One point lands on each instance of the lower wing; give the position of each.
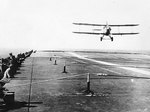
(124, 33)
(89, 33)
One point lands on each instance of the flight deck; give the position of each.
(119, 82)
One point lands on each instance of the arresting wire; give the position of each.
(29, 98)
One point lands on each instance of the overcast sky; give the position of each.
(47, 24)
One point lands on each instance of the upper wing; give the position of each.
(89, 33)
(105, 24)
(124, 33)
(89, 24)
(104, 33)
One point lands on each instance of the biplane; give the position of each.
(106, 30)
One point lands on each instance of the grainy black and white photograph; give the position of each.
(74, 56)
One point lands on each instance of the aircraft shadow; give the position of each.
(16, 105)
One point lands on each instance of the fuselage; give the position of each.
(107, 30)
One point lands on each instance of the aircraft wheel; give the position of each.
(112, 39)
(101, 39)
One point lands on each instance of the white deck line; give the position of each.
(112, 64)
(47, 80)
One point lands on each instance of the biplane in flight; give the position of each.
(106, 30)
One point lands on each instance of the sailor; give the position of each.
(4, 65)
(6, 77)
(13, 62)
(7, 73)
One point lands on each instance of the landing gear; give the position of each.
(111, 38)
(101, 38)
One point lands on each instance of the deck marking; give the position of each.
(46, 80)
